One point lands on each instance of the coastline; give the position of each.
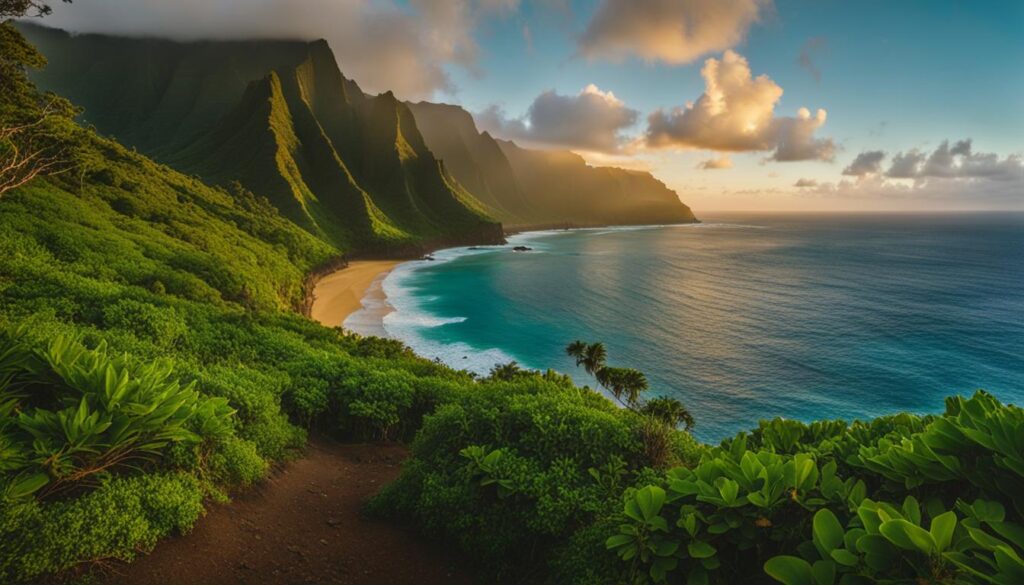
(339, 294)
(351, 295)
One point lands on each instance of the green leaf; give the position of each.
(790, 570)
(844, 557)
(828, 532)
(617, 540)
(699, 549)
(942, 529)
(908, 536)
(824, 572)
(650, 500)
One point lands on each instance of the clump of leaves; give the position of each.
(68, 413)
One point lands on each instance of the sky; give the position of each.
(786, 105)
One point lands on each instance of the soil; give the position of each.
(302, 525)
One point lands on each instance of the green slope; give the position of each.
(474, 158)
(281, 119)
(527, 186)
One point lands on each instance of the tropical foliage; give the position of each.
(152, 357)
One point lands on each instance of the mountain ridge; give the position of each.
(544, 187)
(280, 119)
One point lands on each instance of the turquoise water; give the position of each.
(744, 317)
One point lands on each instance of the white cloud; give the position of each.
(722, 162)
(957, 162)
(670, 31)
(382, 44)
(867, 163)
(952, 176)
(590, 120)
(736, 113)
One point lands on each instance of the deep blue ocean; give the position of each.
(744, 317)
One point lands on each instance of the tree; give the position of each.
(576, 350)
(591, 356)
(625, 384)
(670, 411)
(37, 129)
(20, 8)
(506, 372)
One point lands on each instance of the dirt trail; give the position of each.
(302, 526)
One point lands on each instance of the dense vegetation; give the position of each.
(152, 358)
(281, 119)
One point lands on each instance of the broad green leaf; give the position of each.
(790, 570)
(844, 557)
(699, 549)
(828, 532)
(942, 529)
(824, 572)
(908, 536)
(650, 500)
(617, 540)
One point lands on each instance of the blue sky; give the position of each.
(895, 78)
(928, 70)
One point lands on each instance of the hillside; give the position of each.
(280, 118)
(151, 364)
(534, 187)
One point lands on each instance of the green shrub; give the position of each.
(236, 462)
(68, 413)
(161, 325)
(117, 520)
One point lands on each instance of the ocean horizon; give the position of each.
(742, 317)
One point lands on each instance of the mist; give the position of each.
(379, 43)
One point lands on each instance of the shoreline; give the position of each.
(353, 291)
(339, 294)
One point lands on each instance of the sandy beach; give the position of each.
(339, 294)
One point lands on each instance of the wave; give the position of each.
(411, 321)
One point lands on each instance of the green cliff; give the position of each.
(540, 187)
(281, 119)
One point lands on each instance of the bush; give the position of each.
(122, 517)
(161, 325)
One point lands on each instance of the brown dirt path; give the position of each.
(301, 526)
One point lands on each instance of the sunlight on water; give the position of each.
(744, 317)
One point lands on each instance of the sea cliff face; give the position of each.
(279, 119)
(525, 187)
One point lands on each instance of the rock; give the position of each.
(521, 249)
(428, 258)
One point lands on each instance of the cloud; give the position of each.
(590, 120)
(952, 175)
(812, 49)
(866, 163)
(382, 44)
(956, 162)
(670, 31)
(805, 183)
(736, 113)
(722, 162)
(971, 193)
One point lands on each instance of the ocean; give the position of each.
(743, 317)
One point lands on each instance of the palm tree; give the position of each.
(576, 349)
(594, 357)
(633, 383)
(506, 372)
(625, 384)
(670, 411)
